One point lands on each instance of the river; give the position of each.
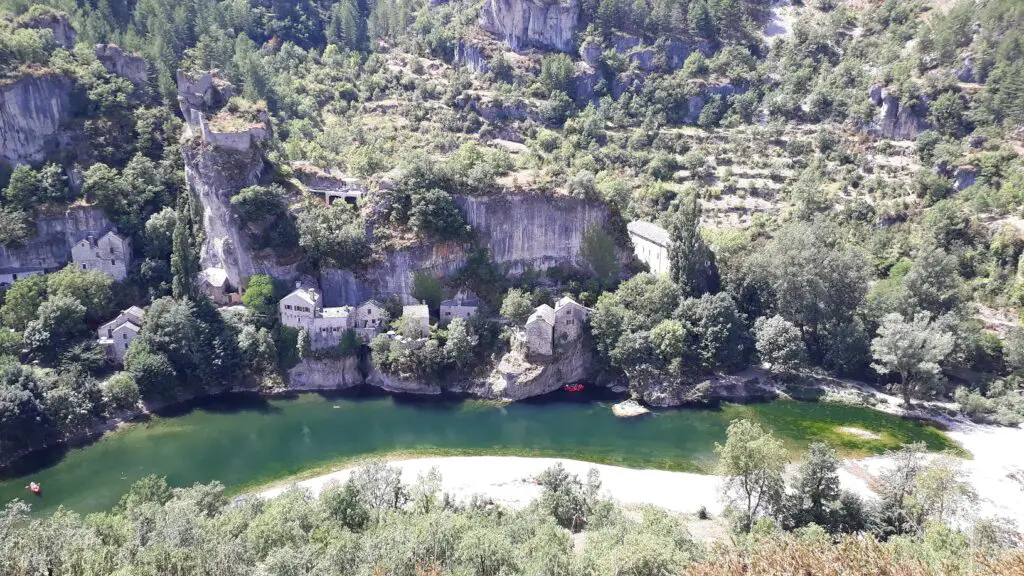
(245, 441)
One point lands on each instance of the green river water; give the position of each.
(247, 441)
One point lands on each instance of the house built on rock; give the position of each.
(549, 328)
(110, 253)
(304, 309)
(650, 244)
(115, 336)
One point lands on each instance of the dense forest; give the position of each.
(844, 200)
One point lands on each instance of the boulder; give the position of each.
(897, 121)
(965, 177)
(117, 61)
(546, 24)
(517, 376)
(966, 72)
(875, 94)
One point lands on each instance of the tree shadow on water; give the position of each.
(227, 403)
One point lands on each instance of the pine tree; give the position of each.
(701, 23)
(184, 256)
(692, 262)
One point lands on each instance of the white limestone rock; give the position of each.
(532, 23)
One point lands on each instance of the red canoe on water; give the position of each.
(35, 488)
(573, 387)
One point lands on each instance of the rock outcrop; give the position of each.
(57, 22)
(32, 112)
(895, 120)
(519, 232)
(119, 62)
(326, 374)
(217, 166)
(547, 24)
(397, 385)
(471, 56)
(50, 248)
(518, 376)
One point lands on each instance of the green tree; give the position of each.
(91, 288)
(22, 300)
(160, 233)
(567, 499)
(816, 489)
(779, 343)
(598, 250)
(516, 306)
(556, 73)
(184, 253)
(23, 189)
(912, 350)
(152, 371)
(752, 463)
(332, 236)
(259, 296)
(692, 263)
(427, 289)
(459, 345)
(345, 505)
(59, 320)
(120, 392)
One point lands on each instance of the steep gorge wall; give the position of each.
(32, 110)
(519, 232)
(55, 234)
(550, 24)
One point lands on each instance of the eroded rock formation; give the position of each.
(897, 120)
(50, 248)
(548, 24)
(518, 376)
(32, 111)
(119, 62)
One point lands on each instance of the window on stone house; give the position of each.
(124, 336)
(287, 306)
(112, 262)
(15, 276)
(83, 266)
(126, 346)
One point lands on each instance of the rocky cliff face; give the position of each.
(55, 234)
(517, 377)
(117, 61)
(895, 120)
(549, 24)
(32, 110)
(519, 232)
(330, 374)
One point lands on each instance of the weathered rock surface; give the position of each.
(532, 23)
(32, 110)
(327, 374)
(471, 56)
(119, 62)
(516, 376)
(399, 385)
(897, 121)
(519, 231)
(739, 388)
(50, 248)
(57, 22)
(965, 177)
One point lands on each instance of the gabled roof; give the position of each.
(307, 294)
(214, 276)
(543, 312)
(372, 302)
(129, 325)
(338, 312)
(462, 299)
(416, 311)
(650, 231)
(135, 311)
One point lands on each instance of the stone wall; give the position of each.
(32, 110)
(50, 248)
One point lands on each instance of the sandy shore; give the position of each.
(996, 471)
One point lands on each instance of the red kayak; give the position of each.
(573, 387)
(35, 488)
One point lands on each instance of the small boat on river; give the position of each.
(573, 387)
(35, 488)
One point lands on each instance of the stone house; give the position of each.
(9, 275)
(303, 309)
(116, 335)
(299, 309)
(213, 282)
(569, 319)
(464, 305)
(110, 253)
(539, 331)
(651, 244)
(369, 319)
(417, 318)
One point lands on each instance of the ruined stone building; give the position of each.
(214, 283)
(110, 253)
(549, 328)
(116, 335)
(464, 305)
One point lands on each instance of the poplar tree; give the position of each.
(184, 256)
(693, 266)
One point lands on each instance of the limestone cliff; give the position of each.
(517, 376)
(50, 248)
(217, 166)
(119, 62)
(549, 24)
(519, 231)
(328, 374)
(32, 111)
(895, 119)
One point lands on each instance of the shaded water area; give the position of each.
(244, 440)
